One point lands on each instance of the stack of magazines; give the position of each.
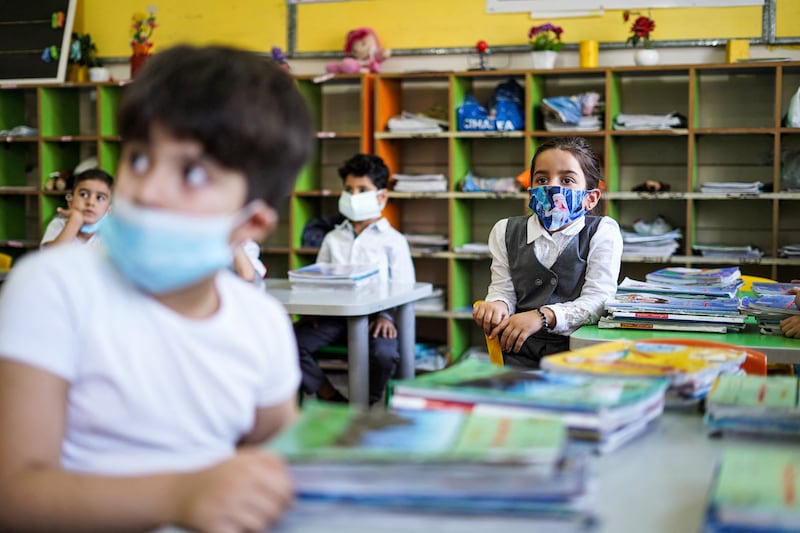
(691, 366)
(601, 411)
(688, 282)
(436, 466)
(755, 490)
(333, 276)
(749, 404)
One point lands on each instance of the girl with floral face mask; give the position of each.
(552, 271)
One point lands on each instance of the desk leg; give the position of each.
(406, 325)
(358, 359)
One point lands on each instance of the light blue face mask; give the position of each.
(557, 206)
(162, 251)
(92, 228)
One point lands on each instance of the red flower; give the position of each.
(640, 30)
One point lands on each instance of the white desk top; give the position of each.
(345, 302)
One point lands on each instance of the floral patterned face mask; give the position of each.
(557, 206)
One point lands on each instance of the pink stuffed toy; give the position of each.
(363, 53)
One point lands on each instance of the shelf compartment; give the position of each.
(735, 98)
(659, 92)
(18, 108)
(69, 111)
(634, 160)
(543, 85)
(19, 165)
(738, 158)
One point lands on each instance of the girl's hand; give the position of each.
(248, 492)
(383, 327)
(488, 315)
(517, 328)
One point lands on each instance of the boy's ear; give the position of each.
(259, 221)
(592, 199)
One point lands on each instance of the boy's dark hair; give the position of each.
(368, 165)
(93, 174)
(583, 152)
(245, 111)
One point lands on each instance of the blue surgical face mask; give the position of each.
(162, 251)
(92, 228)
(557, 206)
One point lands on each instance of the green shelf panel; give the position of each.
(109, 103)
(461, 87)
(57, 156)
(614, 103)
(49, 206)
(536, 92)
(460, 276)
(462, 222)
(60, 112)
(462, 333)
(12, 223)
(613, 172)
(461, 160)
(17, 160)
(310, 176)
(303, 210)
(12, 108)
(109, 156)
(312, 92)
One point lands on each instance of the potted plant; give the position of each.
(142, 27)
(82, 57)
(545, 43)
(641, 29)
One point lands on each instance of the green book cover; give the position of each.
(478, 381)
(327, 432)
(758, 485)
(776, 392)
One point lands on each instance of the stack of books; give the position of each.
(678, 299)
(761, 405)
(755, 489)
(420, 182)
(638, 310)
(603, 412)
(332, 276)
(769, 310)
(381, 464)
(766, 288)
(690, 366)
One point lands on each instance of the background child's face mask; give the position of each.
(557, 206)
(361, 206)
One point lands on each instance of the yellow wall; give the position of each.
(260, 24)
(251, 24)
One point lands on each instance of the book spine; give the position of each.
(680, 317)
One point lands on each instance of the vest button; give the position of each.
(552, 281)
(538, 282)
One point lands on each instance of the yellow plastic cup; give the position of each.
(588, 52)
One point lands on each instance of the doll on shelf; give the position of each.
(363, 53)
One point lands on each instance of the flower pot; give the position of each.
(645, 57)
(77, 73)
(99, 74)
(137, 62)
(544, 59)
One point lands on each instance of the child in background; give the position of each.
(551, 275)
(87, 205)
(158, 369)
(365, 237)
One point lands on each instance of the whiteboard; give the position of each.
(536, 7)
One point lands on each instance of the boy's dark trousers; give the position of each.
(384, 354)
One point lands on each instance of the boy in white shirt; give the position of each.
(365, 237)
(87, 205)
(157, 367)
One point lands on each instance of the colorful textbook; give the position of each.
(606, 411)
(373, 464)
(762, 405)
(690, 365)
(755, 489)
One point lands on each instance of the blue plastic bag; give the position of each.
(472, 116)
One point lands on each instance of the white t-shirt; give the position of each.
(150, 390)
(56, 226)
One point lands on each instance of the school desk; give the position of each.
(357, 305)
(778, 349)
(656, 483)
